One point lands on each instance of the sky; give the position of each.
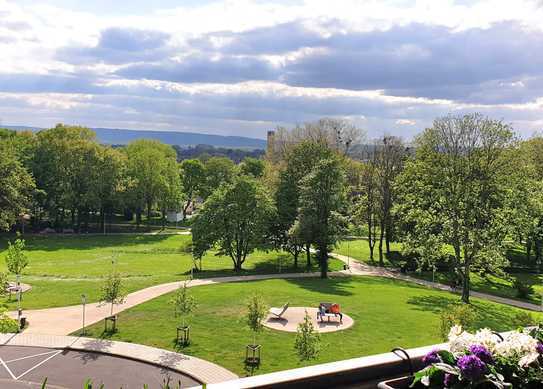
(243, 67)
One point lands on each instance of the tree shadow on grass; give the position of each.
(83, 242)
(487, 315)
(434, 304)
(335, 285)
(282, 264)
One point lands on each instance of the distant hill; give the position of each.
(183, 139)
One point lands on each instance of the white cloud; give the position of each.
(31, 36)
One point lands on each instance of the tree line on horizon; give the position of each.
(461, 191)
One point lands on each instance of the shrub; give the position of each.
(524, 319)
(523, 290)
(307, 343)
(7, 324)
(257, 310)
(462, 315)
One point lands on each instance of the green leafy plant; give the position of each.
(184, 303)
(112, 290)
(523, 290)
(257, 310)
(16, 259)
(524, 319)
(7, 324)
(461, 314)
(308, 342)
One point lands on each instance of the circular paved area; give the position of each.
(26, 367)
(295, 315)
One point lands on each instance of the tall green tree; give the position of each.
(455, 192)
(154, 175)
(526, 194)
(218, 170)
(192, 180)
(322, 201)
(16, 187)
(253, 167)
(235, 219)
(300, 160)
(65, 165)
(390, 154)
(110, 183)
(367, 205)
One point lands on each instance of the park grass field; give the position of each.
(61, 268)
(498, 285)
(387, 313)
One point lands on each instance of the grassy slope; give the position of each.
(388, 313)
(499, 286)
(63, 267)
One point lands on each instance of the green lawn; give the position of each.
(492, 284)
(61, 268)
(359, 249)
(387, 313)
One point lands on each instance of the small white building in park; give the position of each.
(174, 216)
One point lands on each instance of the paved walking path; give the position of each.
(66, 320)
(358, 268)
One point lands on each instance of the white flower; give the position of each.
(455, 331)
(517, 345)
(461, 343)
(528, 359)
(486, 338)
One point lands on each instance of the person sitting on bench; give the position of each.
(329, 309)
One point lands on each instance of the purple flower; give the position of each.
(482, 353)
(431, 358)
(449, 380)
(471, 366)
(539, 348)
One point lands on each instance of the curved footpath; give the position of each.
(66, 320)
(47, 327)
(358, 268)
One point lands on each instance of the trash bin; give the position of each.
(23, 322)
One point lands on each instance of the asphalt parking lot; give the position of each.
(26, 367)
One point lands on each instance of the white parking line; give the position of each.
(7, 368)
(39, 364)
(30, 356)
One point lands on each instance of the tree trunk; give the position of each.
(528, 249)
(237, 263)
(185, 209)
(388, 236)
(138, 217)
(308, 254)
(466, 283)
(149, 213)
(296, 252)
(381, 236)
(323, 259)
